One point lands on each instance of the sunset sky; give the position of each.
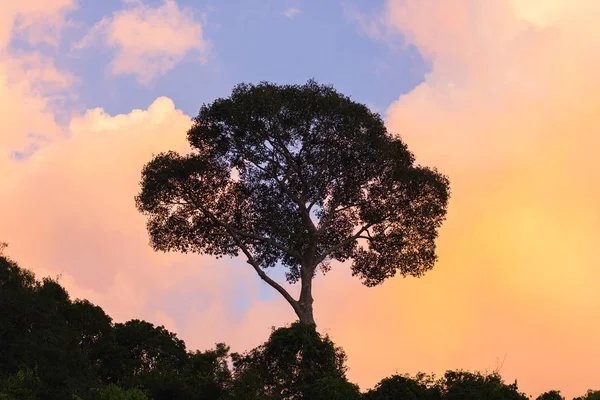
(503, 96)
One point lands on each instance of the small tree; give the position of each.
(590, 395)
(551, 395)
(420, 387)
(464, 385)
(295, 363)
(296, 176)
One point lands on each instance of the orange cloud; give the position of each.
(68, 210)
(509, 112)
(149, 41)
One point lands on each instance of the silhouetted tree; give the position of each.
(139, 348)
(421, 387)
(207, 374)
(551, 395)
(463, 385)
(54, 348)
(94, 331)
(24, 385)
(296, 362)
(296, 176)
(36, 335)
(114, 392)
(590, 395)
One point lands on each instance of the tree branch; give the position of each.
(305, 214)
(343, 243)
(250, 258)
(230, 229)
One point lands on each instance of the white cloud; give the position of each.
(291, 12)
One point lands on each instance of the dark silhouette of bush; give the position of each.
(296, 362)
(590, 395)
(464, 385)
(420, 387)
(551, 395)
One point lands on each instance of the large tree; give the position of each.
(296, 176)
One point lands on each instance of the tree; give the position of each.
(296, 362)
(590, 395)
(94, 330)
(207, 373)
(138, 349)
(463, 385)
(421, 387)
(24, 385)
(114, 392)
(39, 334)
(296, 176)
(551, 395)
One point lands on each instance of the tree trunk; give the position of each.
(305, 303)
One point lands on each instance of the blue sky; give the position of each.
(250, 41)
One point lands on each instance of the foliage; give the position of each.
(140, 348)
(590, 395)
(463, 385)
(54, 348)
(454, 385)
(24, 385)
(208, 372)
(114, 392)
(296, 361)
(35, 333)
(421, 387)
(296, 176)
(551, 395)
(73, 347)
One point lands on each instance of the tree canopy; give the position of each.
(55, 348)
(297, 176)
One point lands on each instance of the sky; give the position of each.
(501, 96)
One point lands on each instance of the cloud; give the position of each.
(30, 83)
(369, 24)
(38, 21)
(68, 210)
(507, 111)
(88, 180)
(149, 41)
(291, 12)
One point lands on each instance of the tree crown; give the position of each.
(297, 175)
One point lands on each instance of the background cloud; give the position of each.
(29, 80)
(291, 12)
(38, 21)
(507, 111)
(149, 41)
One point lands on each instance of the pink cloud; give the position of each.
(149, 41)
(26, 79)
(38, 21)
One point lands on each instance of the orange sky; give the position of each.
(510, 111)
